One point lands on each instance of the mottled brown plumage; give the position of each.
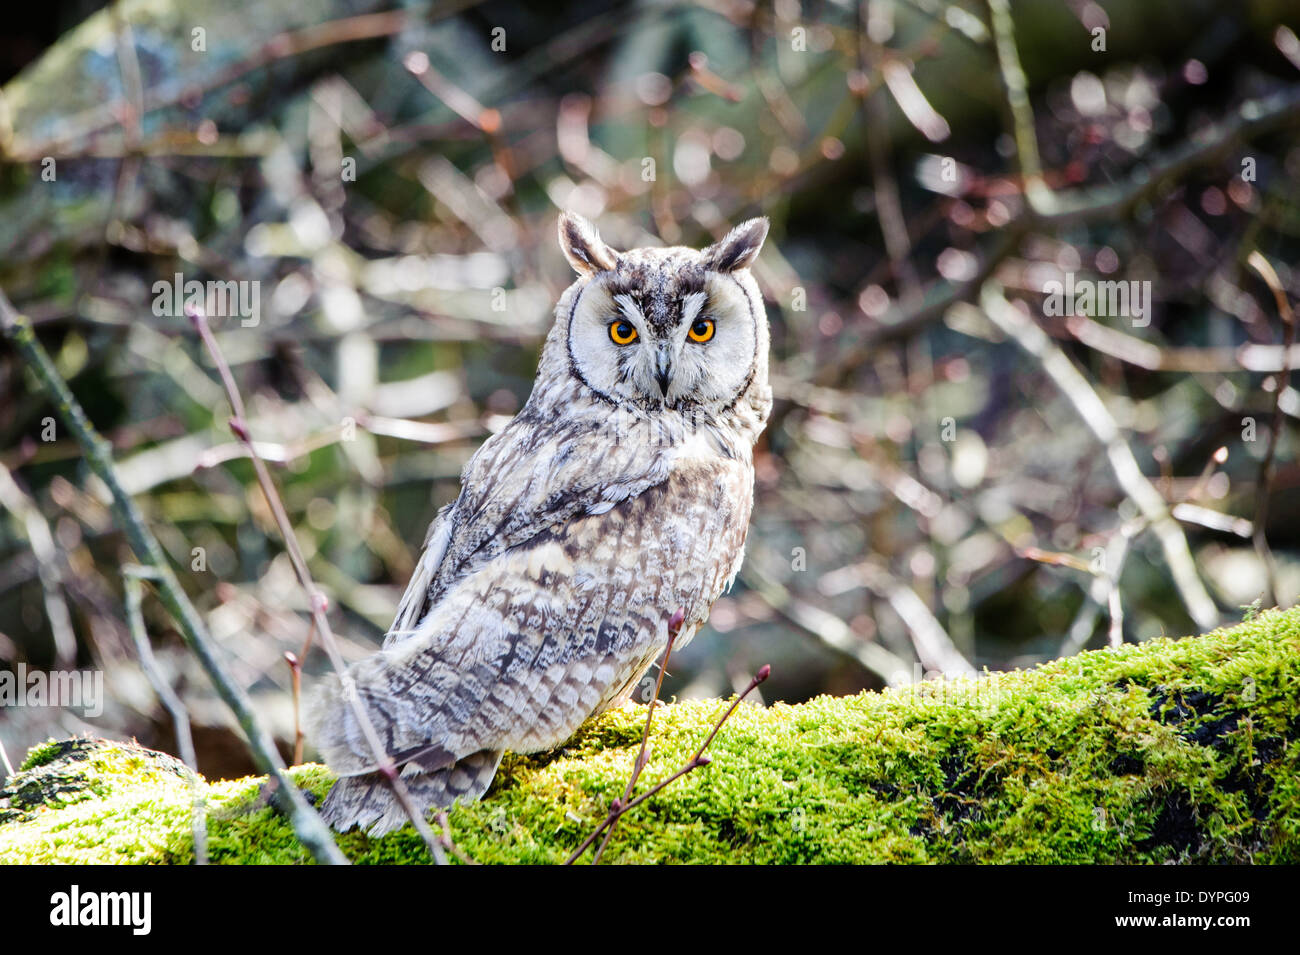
(620, 493)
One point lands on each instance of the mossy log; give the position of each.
(1167, 751)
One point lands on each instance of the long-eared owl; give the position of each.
(618, 495)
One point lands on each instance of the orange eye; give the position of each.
(702, 330)
(622, 333)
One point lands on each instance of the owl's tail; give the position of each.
(434, 776)
(369, 802)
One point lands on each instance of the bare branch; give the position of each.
(674, 627)
(449, 843)
(132, 575)
(311, 830)
(1022, 113)
(317, 600)
(1058, 367)
(49, 567)
(934, 648)
(1107, 203)
(1265, 483)
(824, 626)
(697, 760)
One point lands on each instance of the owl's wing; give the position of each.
(529, 477)
(414, 602)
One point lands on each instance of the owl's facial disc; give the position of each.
(680, 341)
(665, 328)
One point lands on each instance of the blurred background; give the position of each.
(942, 487)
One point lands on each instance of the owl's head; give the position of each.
(670, 328)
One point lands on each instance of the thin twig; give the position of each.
(1104, 588)
(82, 127)
(696, 761)
(317, 600)
(49, 567)
(934, 647)
(295, 682)
(824, 626)
(1265, 483)
(307, 824)
(674, 627)
(132, 117)
(1022, 112)
(449, 843)
(1214, 520)
(1216, 461)
(889, 204)
(132, 575)
(1115, 634)
(1158, 357)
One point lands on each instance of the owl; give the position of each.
(620, 494)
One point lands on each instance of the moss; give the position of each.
(1167, 751)
(40, 754)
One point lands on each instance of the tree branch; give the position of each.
(311, 830)
(132, 575)
(1083, 206)
(1057, 365)
(316, 600)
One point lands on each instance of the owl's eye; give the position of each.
(702, 330)
(622, 333)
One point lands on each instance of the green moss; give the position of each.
(40, 754)
(1167, 751)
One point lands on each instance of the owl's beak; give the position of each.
(664, 367)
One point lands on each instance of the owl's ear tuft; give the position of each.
(583, 247)
(739, 247)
